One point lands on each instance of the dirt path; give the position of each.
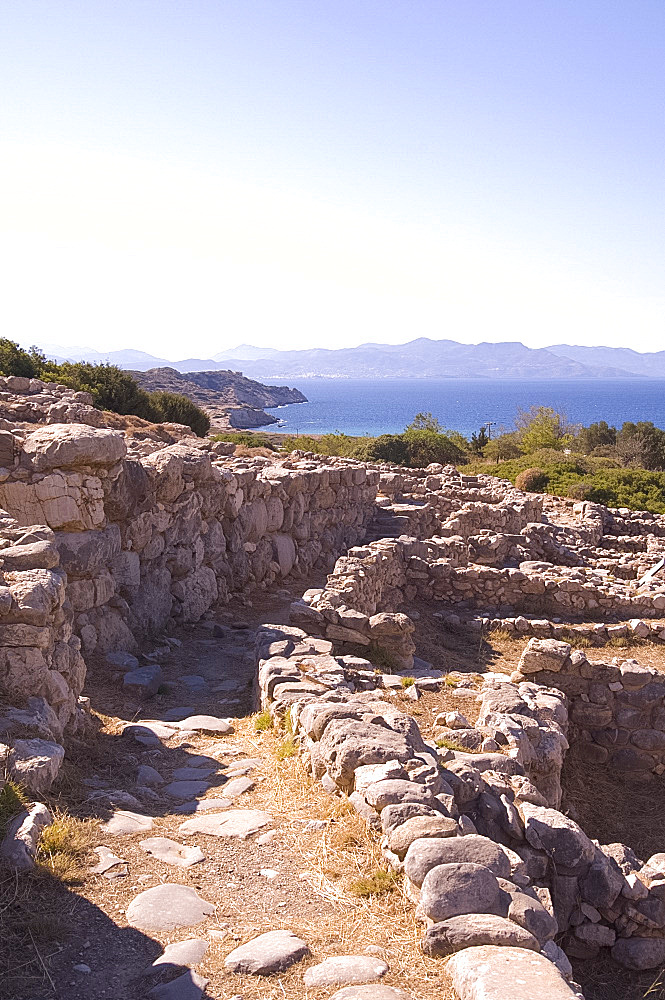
(298, 872)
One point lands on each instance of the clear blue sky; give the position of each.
(182, 177)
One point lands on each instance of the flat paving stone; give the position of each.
(237, 786)
(186, 789)
(123, 822)
(147, 775)
(340, 970)
(206, 724)
(193, 682)
(107, 859)
(494, 973)
(171, 852)
(189, 952)
(244, 766)
(192, 773)
(178, 714)
(372, 991)
(189, 986)
(202, 806)
(167, 906)
(267, 953)
(240, 823)
(149, 730)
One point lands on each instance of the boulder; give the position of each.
(35, 763)
(471, 929)
(452, 889)
(488, 972)
(562, 839)
(426, 853)
(266, 954)
(67, 445)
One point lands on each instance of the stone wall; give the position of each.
(617, 710)
(133, 544)
(473, 833)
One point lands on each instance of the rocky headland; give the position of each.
(229, 399)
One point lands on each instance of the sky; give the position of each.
(183, 177)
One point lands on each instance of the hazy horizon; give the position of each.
(293, 175)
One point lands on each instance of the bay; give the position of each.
(386, 406)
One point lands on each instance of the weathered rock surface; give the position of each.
(166, 907)
(342, 969)
(266, 954)
(486, 972)
(474, 929)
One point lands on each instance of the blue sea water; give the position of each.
(386, 406)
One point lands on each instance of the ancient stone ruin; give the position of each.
(110, 542)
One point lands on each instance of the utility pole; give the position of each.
(489, 424)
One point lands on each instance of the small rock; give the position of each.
(144, 681)
(340, 970)
(203, 806)
(268, 953)
(82, 967)
(123, 822)
(186, 789)
(147, 775)
(107, 859)
(452, 889)
(237, 786)
(121, 661)
(471, 929)
(209, 724)
(172, 853)
(269, 873)
(189, 952)
(189, 986)
(372, 991)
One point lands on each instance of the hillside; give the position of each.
(230, 399)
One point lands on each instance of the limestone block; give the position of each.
(66, 445)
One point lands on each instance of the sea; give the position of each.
(387, 406)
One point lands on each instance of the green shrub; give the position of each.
(531, 480)
(173, 407)
(246, 438)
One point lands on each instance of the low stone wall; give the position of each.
(483, 821)
(617, 710)
(133, 545)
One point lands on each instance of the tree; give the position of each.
(542, 427)
(425, 422)
(641, 444)
(502, 448)
(479, 440)
(15, 361)
(597, 435)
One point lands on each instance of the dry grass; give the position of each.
(263, 721)
(613, 808)
(374, 883)
(64, 846)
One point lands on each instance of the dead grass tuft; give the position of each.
(376, 882)
(262, 722)
(64, 845)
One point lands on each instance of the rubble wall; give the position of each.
(617, 710)
(133, 544)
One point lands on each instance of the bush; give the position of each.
(15, 361)
(111, 388)
(531, 480)
(248, 439)
(172, 407)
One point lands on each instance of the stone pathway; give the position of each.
(192, 870)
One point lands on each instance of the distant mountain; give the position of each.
(424, 358)
(421, 358)
(651, 365)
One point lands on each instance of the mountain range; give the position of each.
(421, 358)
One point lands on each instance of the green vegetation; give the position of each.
(424, 441)
(376, 882)
(111, 388)
(248, 439)
(263, 721)
(12, 800)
